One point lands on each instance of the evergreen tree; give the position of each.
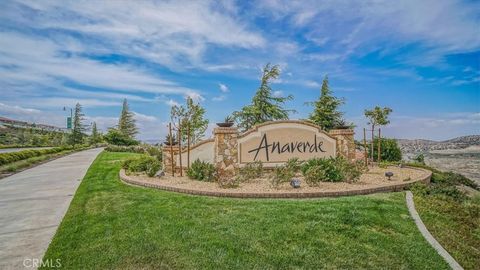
(167, 139)
(326, 114)
(264, 106)
(78, 131)
(126, 123)
(95, 137)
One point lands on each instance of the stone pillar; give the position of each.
(345, 142)
(167, 158)
(226, 151)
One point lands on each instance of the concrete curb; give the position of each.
(427, 235)
(313, 194)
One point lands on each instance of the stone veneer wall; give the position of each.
(226, 151)
(345, 142)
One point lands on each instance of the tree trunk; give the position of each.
(371, 144)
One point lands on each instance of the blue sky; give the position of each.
(421, 58)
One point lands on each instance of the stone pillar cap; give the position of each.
(225, 130)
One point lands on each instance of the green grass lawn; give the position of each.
(112, 225)
(456, 225)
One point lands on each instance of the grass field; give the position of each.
(112, 225)
(456, 225)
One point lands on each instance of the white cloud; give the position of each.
(219, 98)
(223, 87)
(312, 84)
(278, 93)
(17, 110)
(439, 127)
(172, 103)
(194, 96)
(163, 32)
(441, 27)
(144, 117)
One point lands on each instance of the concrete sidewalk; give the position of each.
(32, 205)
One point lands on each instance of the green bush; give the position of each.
(142, 164)
(314, 175)
(285, 173)
(114, 136)
(251, 171)
(331, 170)
(201, 171)
(389, 150)
(6, 158)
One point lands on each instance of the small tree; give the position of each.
(96, 137)
(326, 114)
(389, 150)
(264, 106)
(191, 117)
(126, 123)
(377, 117)
(78, 131)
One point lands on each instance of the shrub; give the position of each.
(285, 173)
(228, 182)
(6, 158)
(331, 169)
(314, 175)
(351, 171)
(331, 172)
(389, 150)
(201, 171)
(144, 163)
(114, 136)
(251, 171)
(420, 158)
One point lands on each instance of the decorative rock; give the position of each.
(160, 173)
(295, 183)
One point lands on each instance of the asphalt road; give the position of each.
(8, 150)
(32, 205)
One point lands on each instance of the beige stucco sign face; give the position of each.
(276, 143)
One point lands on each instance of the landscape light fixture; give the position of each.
(295, 183)
(389, 175)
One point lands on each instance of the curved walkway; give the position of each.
(428, 236)
(32, 205)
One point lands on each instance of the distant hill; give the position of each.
(423, 146)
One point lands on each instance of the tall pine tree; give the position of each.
(126, 123)
(265, 105)
(326, 113)
(78, 131)
(96, 136)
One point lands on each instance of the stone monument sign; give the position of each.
(277, 142)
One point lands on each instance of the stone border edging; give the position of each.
(427, 235)
(399, 187)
